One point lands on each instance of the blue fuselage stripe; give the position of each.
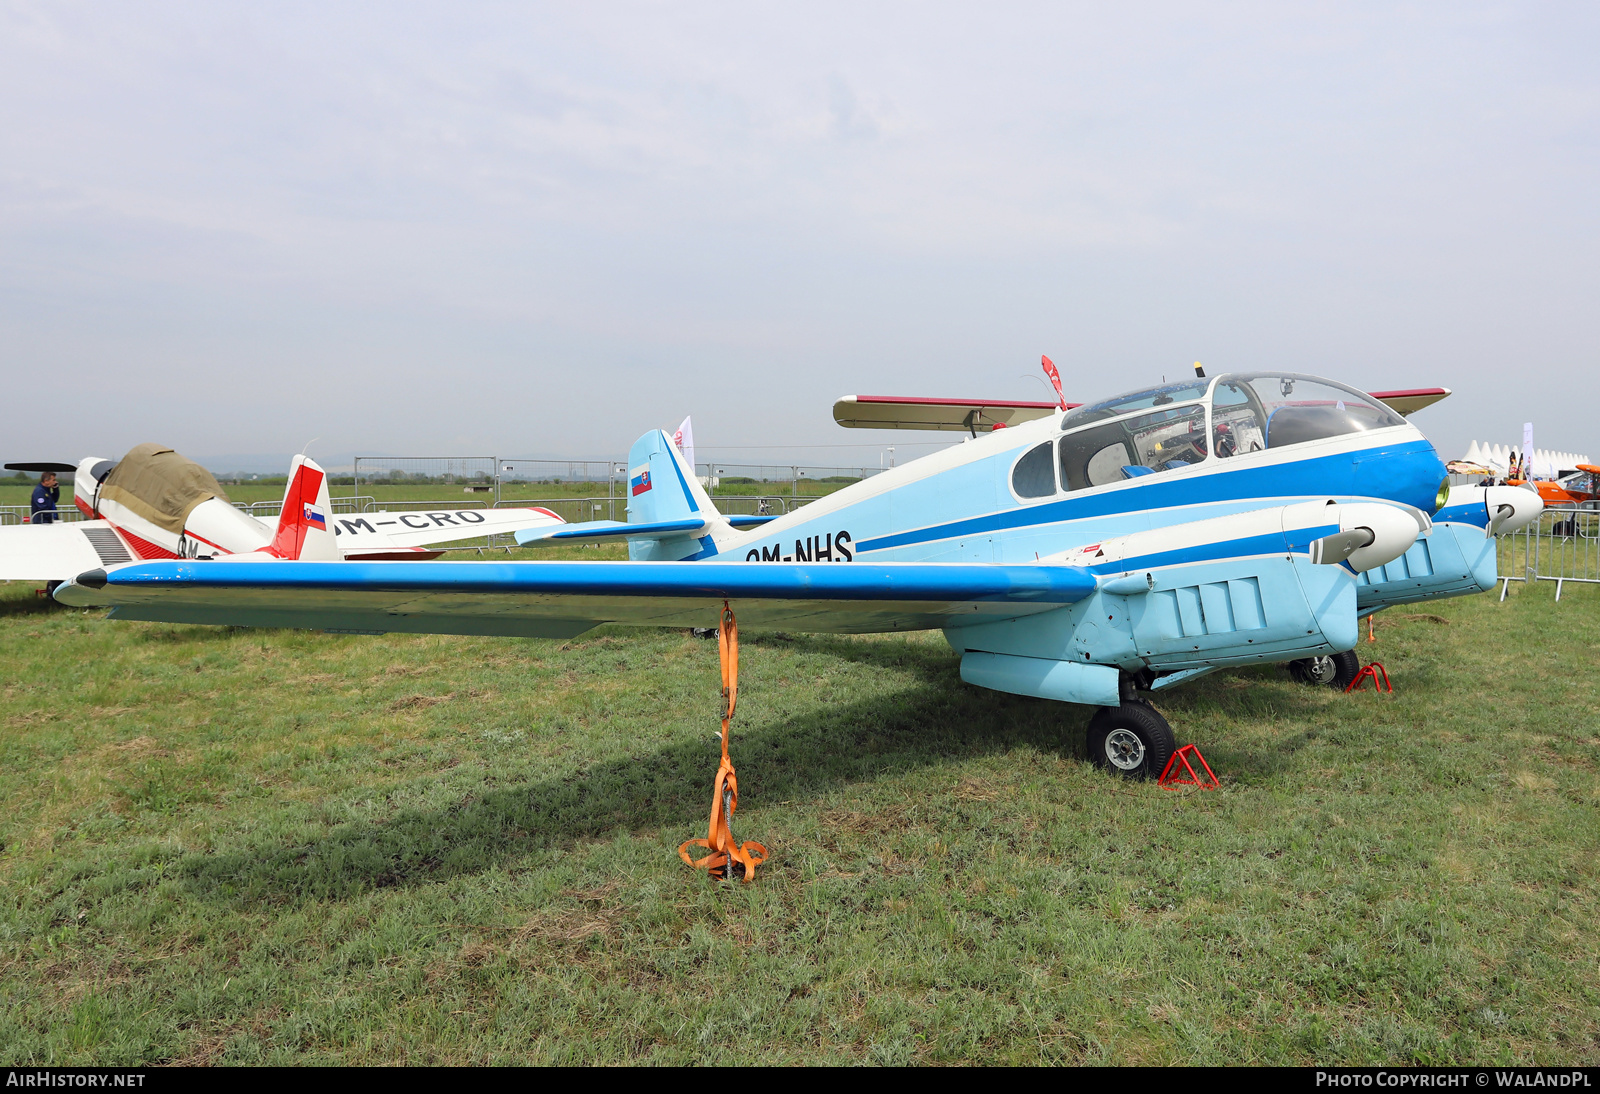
(1271, 543)
(1336, 475)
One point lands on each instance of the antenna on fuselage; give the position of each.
(1199, 372)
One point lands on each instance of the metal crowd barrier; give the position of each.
(359, 504)
(1562, 545)
(22, 514)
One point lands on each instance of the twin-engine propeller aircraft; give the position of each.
(157, 504)
(1092, 555)
(1455, 558)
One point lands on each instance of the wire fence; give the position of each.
(471, 474)
(1562, 545)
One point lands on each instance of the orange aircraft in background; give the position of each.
(1575, 489)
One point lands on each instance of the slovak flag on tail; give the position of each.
(302, 522)
(639, 479)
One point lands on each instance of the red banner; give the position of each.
(1055, 378)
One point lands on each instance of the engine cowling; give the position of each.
(1511, 508)
(1388, 531)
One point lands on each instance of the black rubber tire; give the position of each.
(1349, 666)
(1108, 740)
(1331, 670)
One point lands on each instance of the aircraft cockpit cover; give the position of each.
(160, 486)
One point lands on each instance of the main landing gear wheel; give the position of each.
(1335, 670)
(1131, 740)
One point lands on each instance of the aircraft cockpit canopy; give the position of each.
(1166, 395)
(1164, 428)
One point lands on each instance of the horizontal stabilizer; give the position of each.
(602, 531)
(560, 599)
(40, 468)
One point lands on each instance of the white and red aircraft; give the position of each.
(157, 504)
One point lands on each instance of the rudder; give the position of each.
(662, 486)
(303, 532)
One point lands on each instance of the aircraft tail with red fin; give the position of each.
(304, 524)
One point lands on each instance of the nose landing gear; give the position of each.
(1331, 670)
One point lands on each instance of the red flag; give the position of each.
(1055, 378)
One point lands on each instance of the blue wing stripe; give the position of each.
(889, 581)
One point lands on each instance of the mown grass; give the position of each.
(228, 846)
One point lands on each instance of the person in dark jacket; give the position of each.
(45, 496)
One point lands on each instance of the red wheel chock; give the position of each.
(1372, 672)
(1170, 778)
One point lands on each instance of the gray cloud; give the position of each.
(545, 229)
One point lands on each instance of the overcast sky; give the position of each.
(526, 229)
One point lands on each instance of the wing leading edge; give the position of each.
(562, 599)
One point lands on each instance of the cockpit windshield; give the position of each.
(1253, 412)
(1167, 428)
(1134, 400)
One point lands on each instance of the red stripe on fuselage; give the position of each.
(207, 542)
(143, 547)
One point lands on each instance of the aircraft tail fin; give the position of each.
(662, 487)
(304, 530)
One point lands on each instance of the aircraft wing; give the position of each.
(1410, 400)
(562, 599)
(58, 552)
(956, 415)
(982, 416)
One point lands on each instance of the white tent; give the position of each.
(1547, 463)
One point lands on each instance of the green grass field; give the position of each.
(228, 846)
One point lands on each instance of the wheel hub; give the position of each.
(1322, 669)
(1124, 749)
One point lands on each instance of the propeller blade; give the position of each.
(42, 467)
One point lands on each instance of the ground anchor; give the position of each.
(728, 856)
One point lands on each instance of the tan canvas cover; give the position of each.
(160, 485)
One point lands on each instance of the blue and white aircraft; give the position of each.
(1090, 556)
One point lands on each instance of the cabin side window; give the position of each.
(1237, 422)
(1034, 475)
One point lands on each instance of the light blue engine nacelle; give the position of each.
(1273, 585)
(1461, 554)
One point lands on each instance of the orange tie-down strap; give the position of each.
(727, 855)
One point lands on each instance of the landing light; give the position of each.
(1443, 495)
